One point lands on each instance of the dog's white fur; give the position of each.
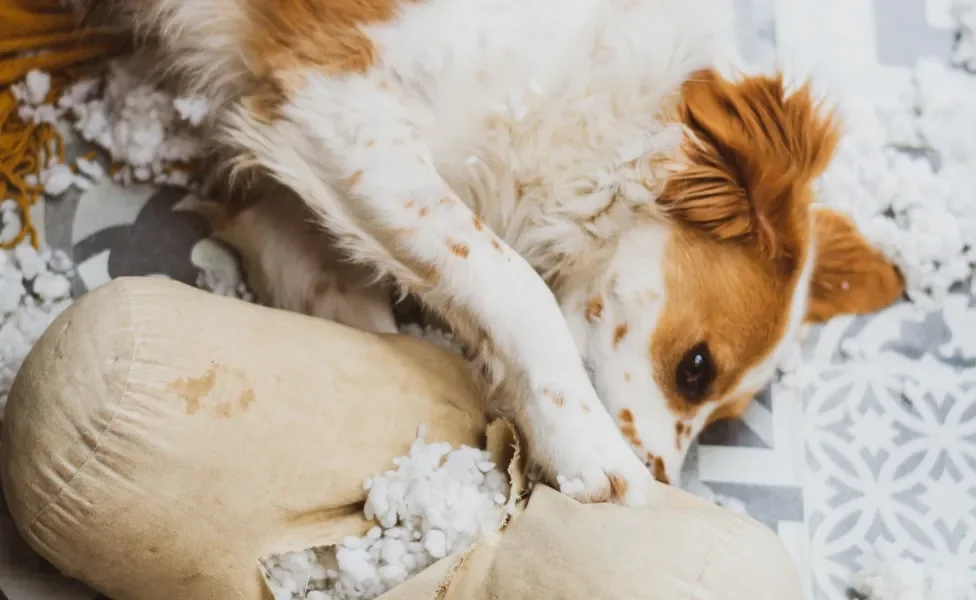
(548, 119)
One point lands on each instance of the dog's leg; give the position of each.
(354, 153)
(291, 263)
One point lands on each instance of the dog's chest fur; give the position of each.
(548, 117)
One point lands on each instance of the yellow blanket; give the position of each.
(37, 34)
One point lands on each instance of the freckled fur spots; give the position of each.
(354, 179)
(557, 397)
(619, 333)
(458, 248)
(656, 463)
(618, 486)
(478, 224)
(496, 245)
(594, 308)
(627, 428)
(429, 273)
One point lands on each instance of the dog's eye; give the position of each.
(695, 373)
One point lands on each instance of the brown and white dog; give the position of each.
(625, 237)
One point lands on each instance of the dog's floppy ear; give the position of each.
(751, 152)
(849, 275)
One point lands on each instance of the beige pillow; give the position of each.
(160, 439)
(680, 549)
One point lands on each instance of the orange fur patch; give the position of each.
(750, 155)
(287, 35)
(322, 33)
(850, 276)
(739, 305)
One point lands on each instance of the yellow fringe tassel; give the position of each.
(37, 34)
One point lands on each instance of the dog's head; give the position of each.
(696, 309)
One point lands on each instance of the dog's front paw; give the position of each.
(593, 468)
(625, 483)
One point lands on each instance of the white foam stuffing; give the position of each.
(435, 502)
(150, 134)
(887, 575)
(906, 173)
(218, 271)
(34, 290)
(141, 127)
(964, 52)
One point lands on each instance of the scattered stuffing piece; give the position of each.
(10, 221)
(218, 271)
(906, 173)
(57, 179)
(733, 504)
(570, 486)
(34, 89)
(436, 336)
(149, 134)
(964, 52)
(437, 501)
(34, 289)
(889, 576)
(193, 110)
(90, 168)
(213, 281)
